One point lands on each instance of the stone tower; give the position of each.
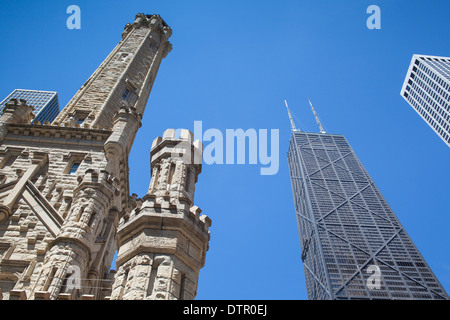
(164, 239)
(64, 185)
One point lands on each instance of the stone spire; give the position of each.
(125, 77)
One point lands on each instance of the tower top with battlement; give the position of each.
(165, 233)
(125, 77)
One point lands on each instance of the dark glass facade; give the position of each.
(352, 244)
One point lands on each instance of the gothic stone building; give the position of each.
(65, 206)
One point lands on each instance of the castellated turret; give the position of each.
(163, 240)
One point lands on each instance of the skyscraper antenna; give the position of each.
(317, 118)
(293, 128)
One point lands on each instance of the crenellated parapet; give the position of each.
(153, 21)
(175, 166)
(92, 200)
(15, 112)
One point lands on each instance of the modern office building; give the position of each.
(45, 103)
(352, 244)
(427, 89)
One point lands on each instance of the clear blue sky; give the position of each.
(232, 65)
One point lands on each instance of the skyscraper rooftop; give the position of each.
(352, 244)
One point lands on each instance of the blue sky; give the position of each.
(232, 65)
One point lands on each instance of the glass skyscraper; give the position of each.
(352, 244)
(427, 89)
(45, 103)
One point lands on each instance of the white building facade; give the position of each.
(427, 89)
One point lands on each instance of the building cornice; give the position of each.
(57, 134)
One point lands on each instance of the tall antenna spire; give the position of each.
(317, 118)
(293, 128)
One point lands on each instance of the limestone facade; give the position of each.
(164, 236)
(65, 206)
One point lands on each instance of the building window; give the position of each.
(126, 94)
(92, 219)
(80, 116)
(74, 167)
(8, 161)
